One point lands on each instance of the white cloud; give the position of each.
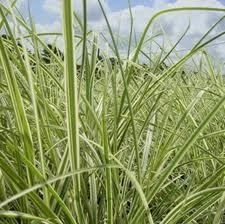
(93, 9)
(52, 6)
(174, 23)
(200, 22)
(56, 26)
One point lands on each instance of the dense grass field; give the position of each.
(99, 143)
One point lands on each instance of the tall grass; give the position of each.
(103, 144)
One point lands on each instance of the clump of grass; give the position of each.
(130, 145)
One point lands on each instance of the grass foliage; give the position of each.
(108, 144)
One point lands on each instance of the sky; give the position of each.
(47, 17)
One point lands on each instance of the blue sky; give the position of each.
(115, 5)
(118, 5)
(46, 14)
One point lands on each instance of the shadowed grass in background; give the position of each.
(102, 143)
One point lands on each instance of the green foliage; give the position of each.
(132, 144)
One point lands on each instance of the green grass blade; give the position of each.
(72, 105)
